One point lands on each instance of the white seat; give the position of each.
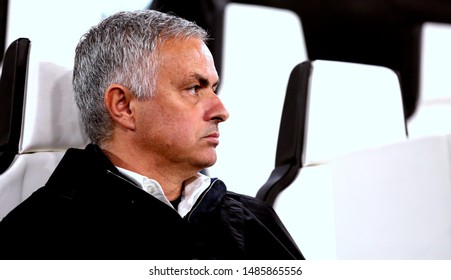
(433, 114)
(351, 108)
(338, 107)
(50, 124)
(261, 46)
(391, 202)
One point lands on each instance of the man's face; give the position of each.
(179, 126)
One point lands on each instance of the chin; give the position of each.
(208, 162)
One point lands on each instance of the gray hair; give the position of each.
(122, 49)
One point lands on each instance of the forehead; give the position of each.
(187, 55)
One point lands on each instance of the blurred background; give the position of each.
(372, 162)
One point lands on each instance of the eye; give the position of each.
(193, 89)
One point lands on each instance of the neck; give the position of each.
(171, 180)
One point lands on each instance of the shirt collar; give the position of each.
(194, 187)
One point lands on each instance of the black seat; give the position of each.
(3, 23)
(12, 90)
(289, 155)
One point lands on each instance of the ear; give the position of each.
(117, 101)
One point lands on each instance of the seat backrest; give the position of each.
(335, 204)
(45, 123)
(258, 57)
(351, 107)
(333, 108)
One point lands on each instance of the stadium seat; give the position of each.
(42, 124)
(343, 109)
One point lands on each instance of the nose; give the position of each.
(217, 111)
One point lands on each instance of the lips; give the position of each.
(214, 134)
(213, 137)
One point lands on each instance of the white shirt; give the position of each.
(194, 187)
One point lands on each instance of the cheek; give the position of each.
(181, 129)
(167, 129)
(168, 123)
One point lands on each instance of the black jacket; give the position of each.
(88, 210)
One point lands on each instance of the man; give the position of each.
(144, 83)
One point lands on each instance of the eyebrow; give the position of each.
(204, 81)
